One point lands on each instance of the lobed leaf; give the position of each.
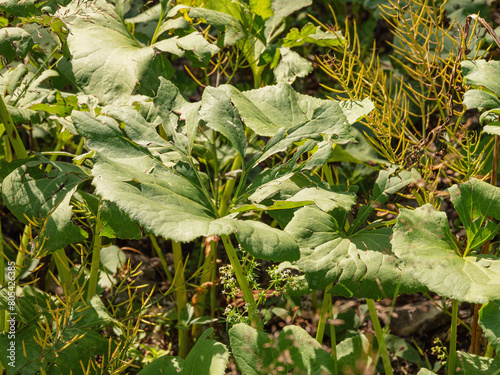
(423, 240)
(361, 265)
(488, 320)
(100, 44)
(255, 353)
(482, 73)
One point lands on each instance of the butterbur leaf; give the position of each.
(264, 242)
(168, 100)
(482, 73)
(231, 26)
(44, 198)
(166, 198)
(256, 353)
(480, 99)
(488, 320)
(328, 119)
(164, 365)
(314, 35)
(282, 9)
(291, 66)
(423, 240)
(424, 371)
(351, 352)
(470, 364)
(99, 42)
(262, 8)
(207, 357)
(387, 184)
(475, 201)
(116, 224)
(14, 42)
(281, 190)
(219, 114)
(355, 110)
(361, 265)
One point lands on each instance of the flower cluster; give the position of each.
(281, 280)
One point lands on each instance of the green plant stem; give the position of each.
(64, 270)
(10, 128)
(22, 250)
(328, 173)
(207, 277)
(452, 354)
(489, 351)
(242, 282)
(228, 189)
(163, 261)
(79, 148)
(160, 21)
(325, 312)
(333, 336)
(213, 288)
(382, 348)
(96, 259)
(180, 298)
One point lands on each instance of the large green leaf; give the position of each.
(14, 42)
(282, 9)
(470, 364)
(219, 114)
(327, 119)
(291, 66)
(480, 99)
(207, 357)
(352, 353)
(133, 169)
(360, 265)
(388, 182)
(256, 353)
(162, 200)
(482, 73)
(289, 189)
(489, 322)
(265, 242)
(30, 192)
(108, 62)
(168, 100)
(314, 35)
(225, 20)
(475, 201)
(423, 240)
(165, 365)
(270, 108)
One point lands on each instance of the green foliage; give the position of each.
(255, 353)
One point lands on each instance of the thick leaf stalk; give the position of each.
(96, 259)
(180, 298)
(325, 312)
(64, 270)
(452, 355)
(10, 128)
(380, 337)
